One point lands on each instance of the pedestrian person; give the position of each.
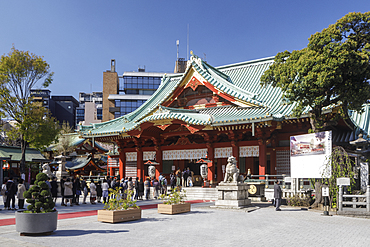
(92, 192)
(130, 185)
(141, 189)
(105, 188)
(11, 190)
(164, 185)
(84, 189)
(172, 180)
(54, 188)
(68, 193)
(189, 180)
(21, 190)
(77, 186)
(136, 188)
(277, 195)
(184, 177)
(147, 188)
(62, 181)
(123, 186)
(178, 181)
(156, 189)
(3, 191)
(99, 191)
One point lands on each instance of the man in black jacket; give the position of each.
(277, 195)
(11, 189)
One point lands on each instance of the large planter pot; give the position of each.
(174, 208)
(32, 223)
(116, 216)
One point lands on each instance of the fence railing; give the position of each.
(355, 200)
(269, 181)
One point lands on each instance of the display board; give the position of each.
(309, 154)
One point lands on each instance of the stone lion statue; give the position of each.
(151, 171)
(232, 172)
(46, 169)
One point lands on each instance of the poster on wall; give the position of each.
(309, 154)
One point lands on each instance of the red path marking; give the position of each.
(11, 221)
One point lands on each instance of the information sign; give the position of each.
(325, 191)
(343, 181)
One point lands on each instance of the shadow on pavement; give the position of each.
(69, 233)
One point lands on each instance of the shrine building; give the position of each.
(211, 113)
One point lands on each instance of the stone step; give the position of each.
(198, 193)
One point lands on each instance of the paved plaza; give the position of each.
(260, 225)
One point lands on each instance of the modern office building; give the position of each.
(90, 109)
(124, 94)
(63, 108)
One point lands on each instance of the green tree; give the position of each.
(19, 73)
(64, 142)
(339, 165)
(333, 70)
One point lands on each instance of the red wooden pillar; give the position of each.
(158, 153)
(140, 163)
(262, 157)
(211, 165)
(122, 159)
(235, 149)
(273, 162)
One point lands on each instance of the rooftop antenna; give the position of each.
(177, 43)
(187, 50)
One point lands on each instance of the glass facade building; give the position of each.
(133, 90)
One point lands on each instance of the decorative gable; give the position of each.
(195, 92)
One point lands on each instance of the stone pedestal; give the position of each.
(232, 195)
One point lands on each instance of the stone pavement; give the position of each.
(204, 226)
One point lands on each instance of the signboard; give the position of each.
(325, 191)
(173, 168)
(309, 155)
(287, 179)
(343, 181)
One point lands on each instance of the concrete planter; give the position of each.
(28, 223)
(174, 208)
(111, 216)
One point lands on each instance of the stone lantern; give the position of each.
(151, 168)
(362, 150)
(204, 170)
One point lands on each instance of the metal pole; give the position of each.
(368, 199)
(1, 173)
(340, 198)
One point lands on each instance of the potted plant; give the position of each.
(40, 217)
(119, 209)
(173, 203)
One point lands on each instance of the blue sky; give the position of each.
(79, 38)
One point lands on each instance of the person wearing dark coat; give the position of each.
(277, 195)
(136, 186)
(141, 189)
(62, 181)
(99, 191)
(54, 188)
(11, 190)
(77, 191)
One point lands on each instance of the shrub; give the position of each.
(39, 196)
(117, 202)
(300, 202)
(174, 198)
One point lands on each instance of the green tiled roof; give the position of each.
(16, 153)
(75, 140)
(241, 80)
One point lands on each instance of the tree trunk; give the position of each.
(22, 168)
(318, 195)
